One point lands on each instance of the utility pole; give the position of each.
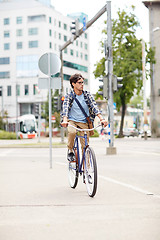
(111, 149)
(145, 123)
(16, 111)
(62, 92)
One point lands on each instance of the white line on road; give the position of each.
(148, 153)
(121, 183)
(125, 185)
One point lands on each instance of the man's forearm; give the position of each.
(65, 119)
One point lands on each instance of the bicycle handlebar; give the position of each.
(84, 130)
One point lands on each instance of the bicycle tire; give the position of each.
(73, 171)
(90, 172)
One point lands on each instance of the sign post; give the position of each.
(49, 64)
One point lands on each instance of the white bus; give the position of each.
(27, 127)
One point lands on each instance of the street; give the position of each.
(36, 202)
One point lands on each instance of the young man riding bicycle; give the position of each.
(78, 104)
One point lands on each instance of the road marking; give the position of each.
(122, 184)
(148, 153)
(126, 185)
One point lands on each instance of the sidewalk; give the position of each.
(44, 142)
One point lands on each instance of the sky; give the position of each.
(91, 7)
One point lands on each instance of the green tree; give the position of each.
(136, 101)
(127, 59)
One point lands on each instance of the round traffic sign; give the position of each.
(49, 64)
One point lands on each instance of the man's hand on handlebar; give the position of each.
(104, 123)
(64, 124)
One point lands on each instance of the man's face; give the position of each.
(78, 85)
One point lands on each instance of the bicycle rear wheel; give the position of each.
(90, 172)
(73, 171)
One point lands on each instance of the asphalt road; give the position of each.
(36, 202)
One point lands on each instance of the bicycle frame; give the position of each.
(76, 146)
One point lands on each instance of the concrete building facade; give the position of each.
(28, 29)
(154, 30)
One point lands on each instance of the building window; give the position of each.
(50, 32)
(19, 45)
(59, 24)
(81, 55)
(85, 35)
(9, 91)
(33, 31)
(81, 44)
(37, 18)
(59, 36)
(19, 32)
(6, 34)
(6, 46)
(19, 20)
(27, 66)
(65, 38)
(65, 26)
(50, 45)
(71, 52)
(65, 50)
(76, 53)
(6, 21)
(86, 46)
(26, 89)
(4, 75)
(76, 42)
(35, 89)
(5, 60)
(86, 57)
(50, 20)
(18, 90)
(33, 44)
(75, 66)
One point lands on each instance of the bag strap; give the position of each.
(82, 109)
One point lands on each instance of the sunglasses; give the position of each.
(80, 83)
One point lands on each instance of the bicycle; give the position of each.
(86, 165)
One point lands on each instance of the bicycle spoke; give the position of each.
(73, 174)
(90, 172)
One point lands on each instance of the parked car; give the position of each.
(148, 133)
(130, 132)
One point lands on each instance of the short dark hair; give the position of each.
(74, 78)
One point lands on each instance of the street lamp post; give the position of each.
(153, 87)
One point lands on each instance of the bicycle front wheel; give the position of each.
(90, 172)
(73, 171)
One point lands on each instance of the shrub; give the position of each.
(7, 135)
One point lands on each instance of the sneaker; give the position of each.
(71, 157)
(90, 179)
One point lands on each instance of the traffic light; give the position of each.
(36, 109)
(57, 103)
(104, 88)
(1, 91)
(116, 83)
(62, 100)
(75, 27)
